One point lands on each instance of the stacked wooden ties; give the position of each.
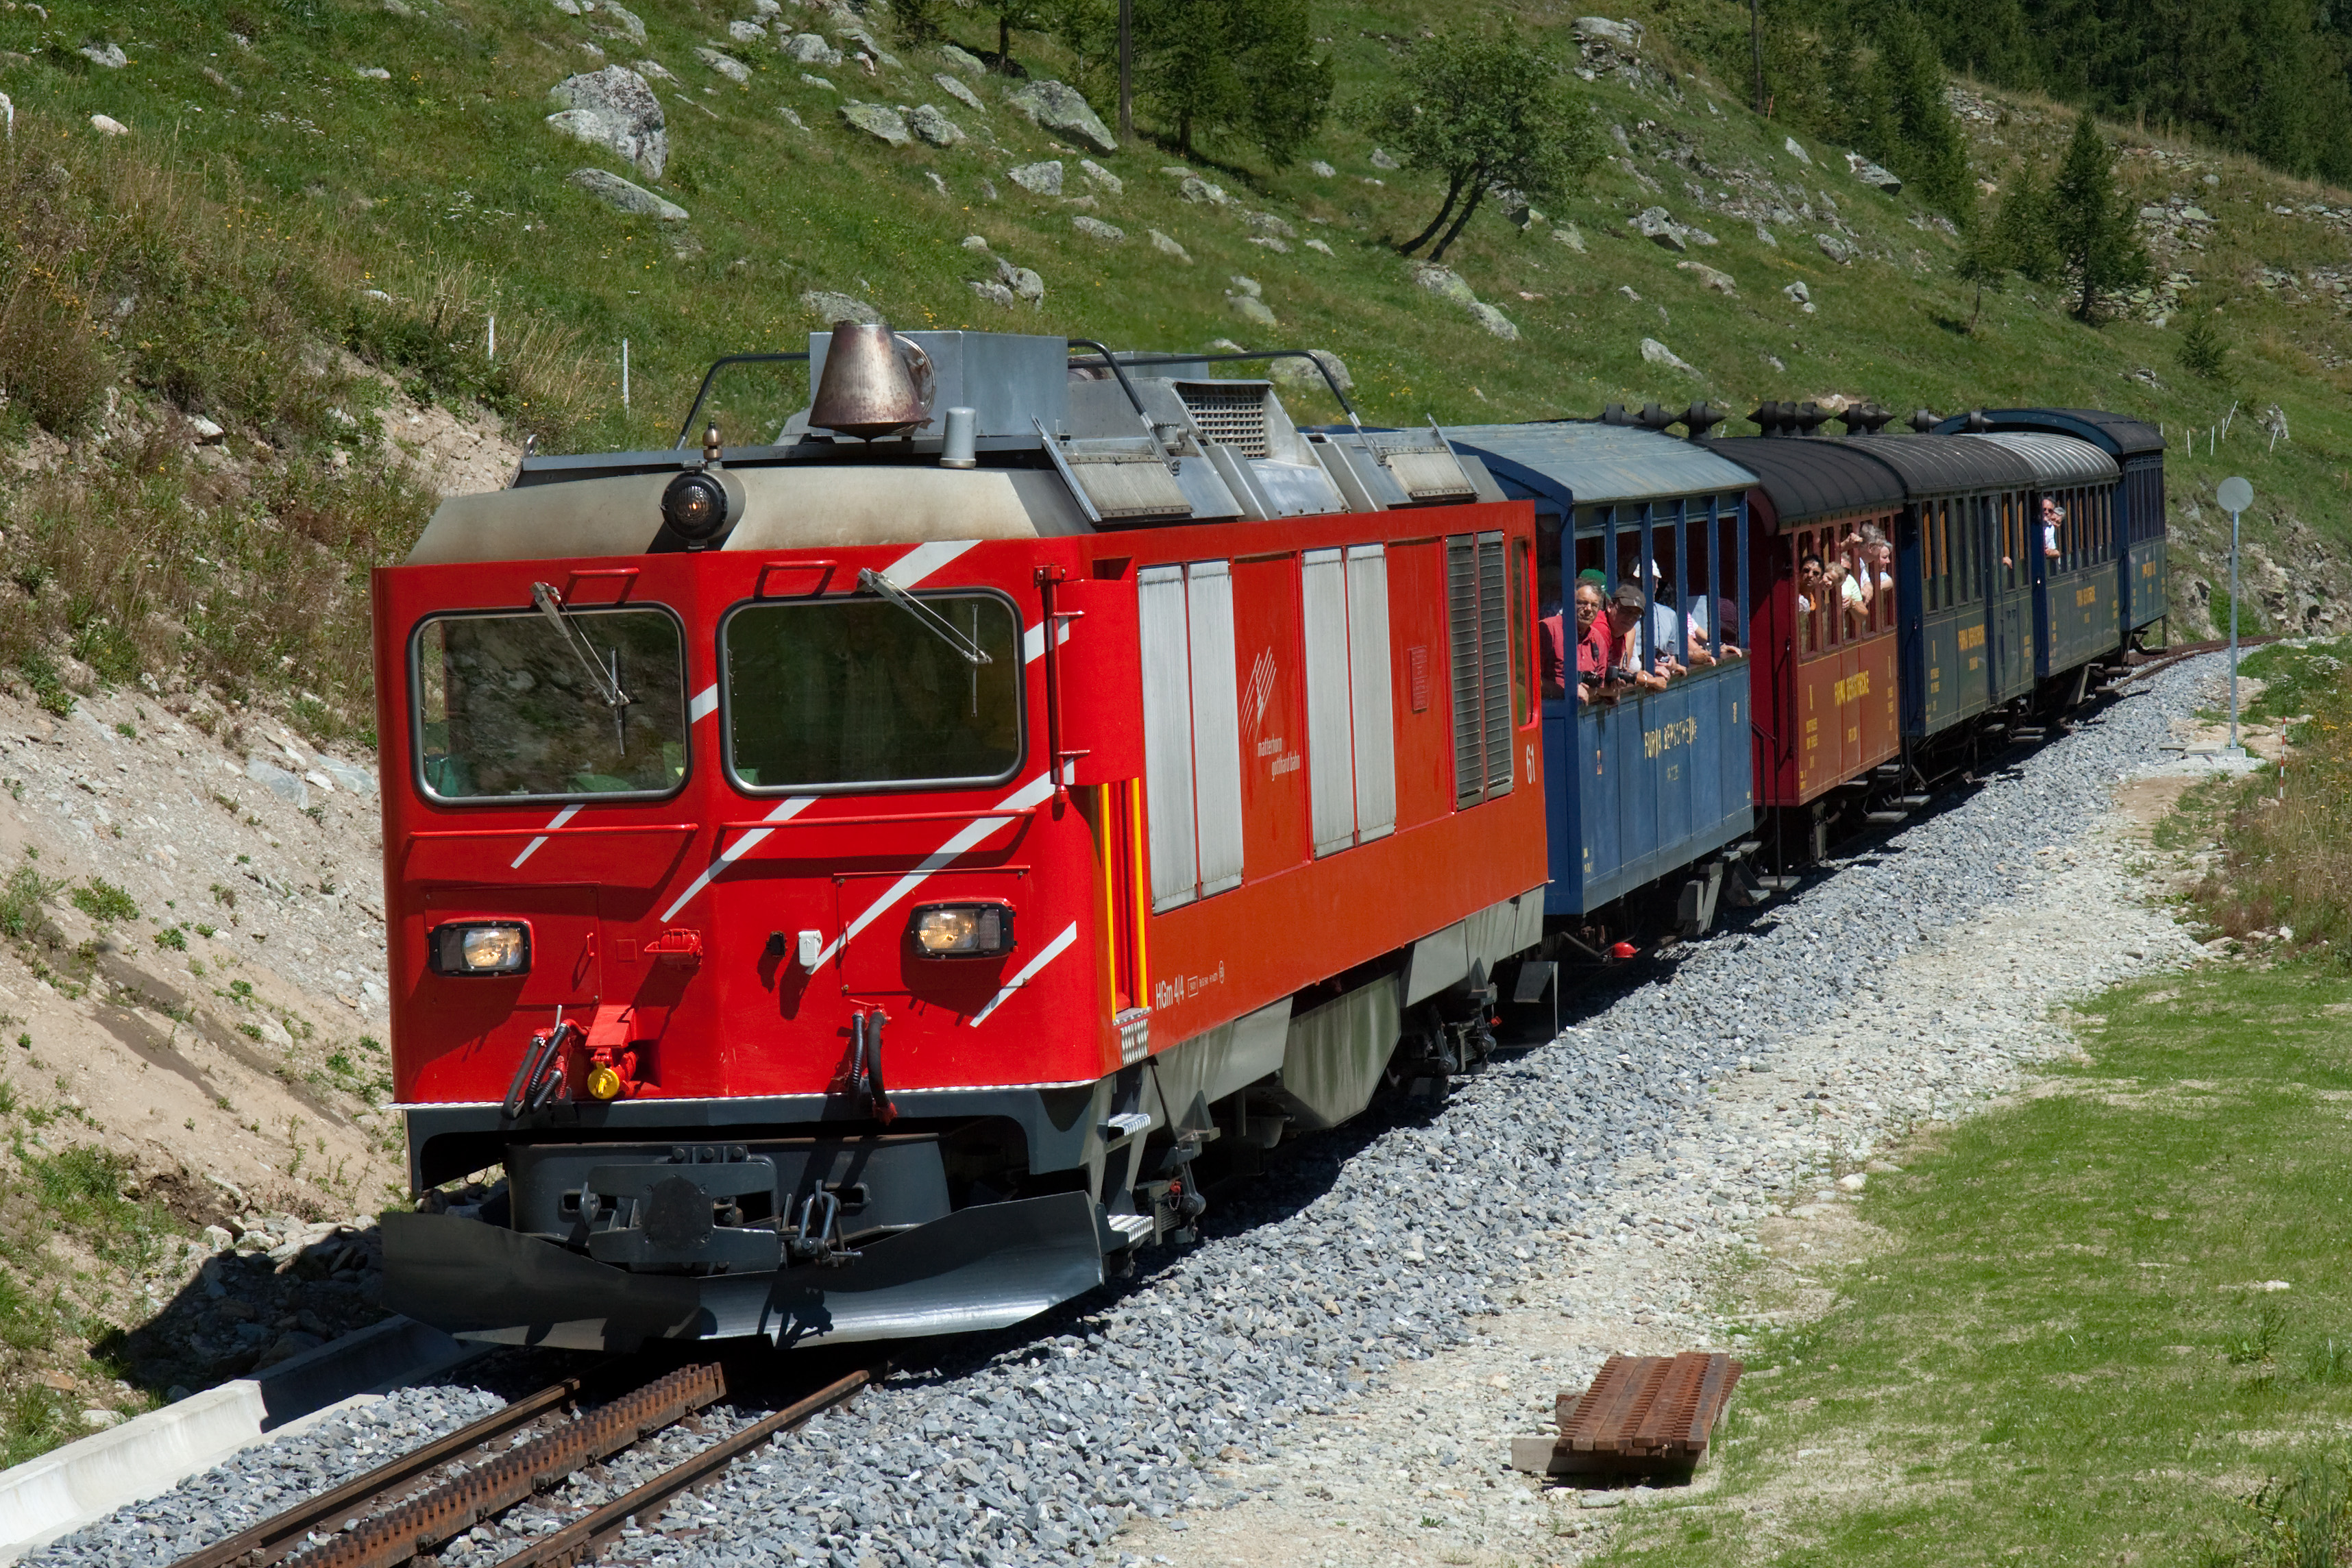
(1643, 1415)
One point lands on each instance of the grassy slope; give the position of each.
(2287, 842)
(2059, 1355)
(442, 182)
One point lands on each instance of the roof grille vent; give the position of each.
(1231, 416)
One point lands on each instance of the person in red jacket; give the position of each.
(1594, 644)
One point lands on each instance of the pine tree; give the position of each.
(1012, 16)
(2023, 224)
(1923, 140)
(1248, 67)
(1088, 29)
(1890, 106)
(2202, 351)
(1985, 260)
(1184, 69)
(1480, 109)
(1289, 85)
(919, 22)
(2092, 222)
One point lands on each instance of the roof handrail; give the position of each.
(703, 393)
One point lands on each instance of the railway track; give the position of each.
(2166, 658)
(407, 1509)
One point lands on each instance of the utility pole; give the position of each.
(1126, 69)
(1755, 50)
(2236, 495)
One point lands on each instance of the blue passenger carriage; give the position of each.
(2143, 585)
(2072, 565)
(1645, 783)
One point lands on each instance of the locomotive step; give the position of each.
(1126, 1124)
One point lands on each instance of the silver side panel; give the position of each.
(1331, 742)
(1333, 1059)
(1439, 960)
(1214, 1064)
(1216, 727)
(1470, 949)
(1167, 735)
(1373, 697)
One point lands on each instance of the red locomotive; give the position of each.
(845, 883)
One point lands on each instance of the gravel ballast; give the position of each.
(1211, 1381)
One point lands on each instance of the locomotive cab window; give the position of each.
(541, 706)
(838, 693)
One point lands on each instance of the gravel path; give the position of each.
(1331, 1375)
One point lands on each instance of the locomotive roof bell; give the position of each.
(875, 384)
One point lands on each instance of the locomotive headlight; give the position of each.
(701, 505)
(481, 948)
(962, 930)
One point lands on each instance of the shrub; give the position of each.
(21, 897)
(102, 901)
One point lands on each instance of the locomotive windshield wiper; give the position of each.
(873, 582)
(608, 683)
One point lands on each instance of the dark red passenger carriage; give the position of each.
(844, 885)
(1823, 669)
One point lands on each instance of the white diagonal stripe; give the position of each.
(1054, 950)
(946, 855)
(925, 559)
(906, 571)
(785, 811)
(558, 820)
(1032, 641)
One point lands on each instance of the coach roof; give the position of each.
(1594, 463)
(1808, 476)
(2054, 459)
(1941, 466)
(2117, 434)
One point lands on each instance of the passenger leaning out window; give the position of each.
(1625, 612)
(1593, 643)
